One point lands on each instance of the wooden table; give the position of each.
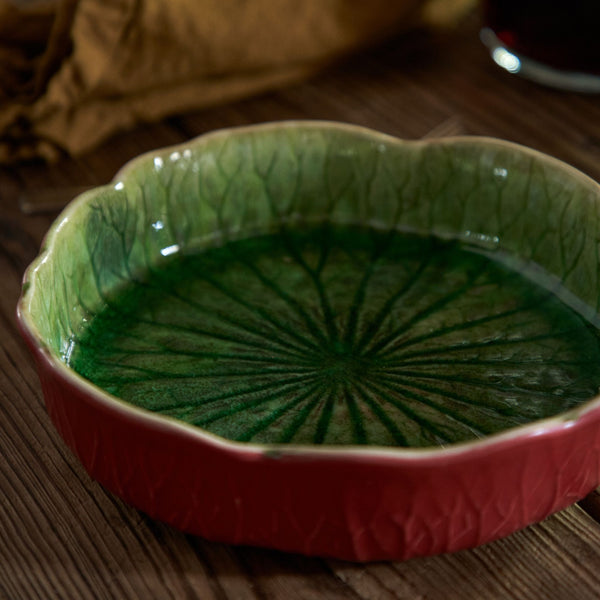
(63, 536)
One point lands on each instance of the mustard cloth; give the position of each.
(73, 72)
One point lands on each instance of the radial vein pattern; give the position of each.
(338, 335)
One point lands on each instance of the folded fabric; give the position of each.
(74, 72)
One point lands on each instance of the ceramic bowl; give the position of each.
(345, 374)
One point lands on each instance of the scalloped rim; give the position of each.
(543, 427)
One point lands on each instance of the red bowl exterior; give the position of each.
(350, 504)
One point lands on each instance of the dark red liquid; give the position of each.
(560, 34)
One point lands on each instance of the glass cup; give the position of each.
(552, 42)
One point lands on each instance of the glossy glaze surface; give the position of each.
(331, 335)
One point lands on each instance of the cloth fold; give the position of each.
(74, 72)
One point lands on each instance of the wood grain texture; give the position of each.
(63, 536)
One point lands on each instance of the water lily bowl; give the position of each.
(395, 403)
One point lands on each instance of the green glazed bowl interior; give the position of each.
(319, 379)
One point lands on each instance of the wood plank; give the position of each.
(553, 559)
